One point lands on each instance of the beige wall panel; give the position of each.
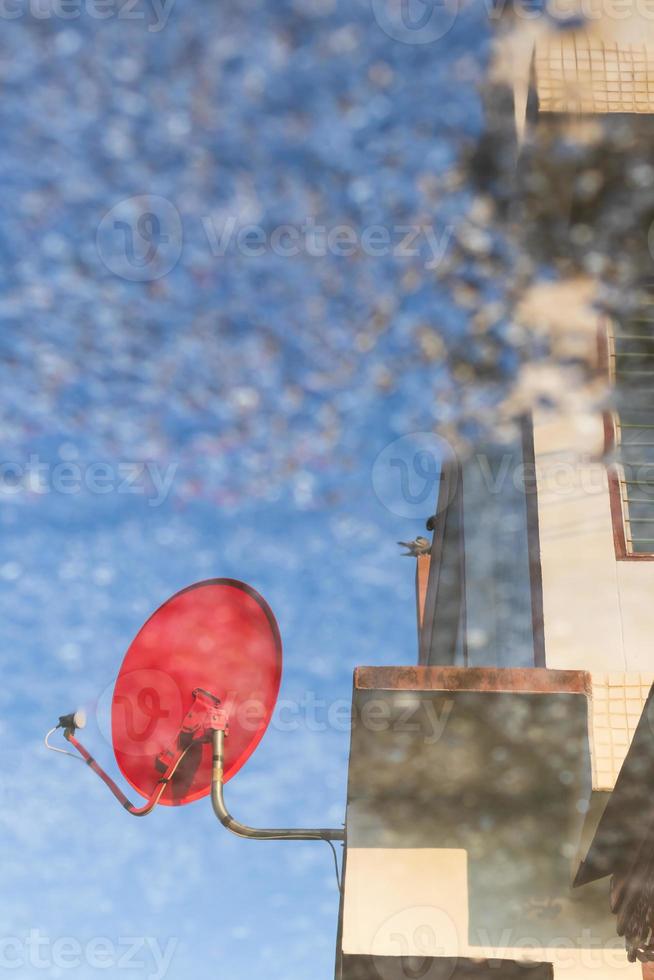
(414, 902)
(636, 583)
(405, 901)
(580, 596)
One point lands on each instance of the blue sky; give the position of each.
(75, 590)
(265, 386)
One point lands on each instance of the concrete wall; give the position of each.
(412, 905)
(468, 798)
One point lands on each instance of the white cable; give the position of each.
(53, 748)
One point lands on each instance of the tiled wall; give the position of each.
(617, 706)
(578, 73)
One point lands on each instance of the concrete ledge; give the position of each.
(504, 680)
(441, 968)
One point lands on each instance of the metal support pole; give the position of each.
(240, 829)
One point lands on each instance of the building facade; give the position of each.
(481, 777)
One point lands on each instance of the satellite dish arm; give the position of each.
(200, 720)
(157, 792)
(240, 829)
(205, 722)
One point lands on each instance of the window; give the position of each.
(631, 432)
(483, 606)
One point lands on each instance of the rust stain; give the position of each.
(422, 578)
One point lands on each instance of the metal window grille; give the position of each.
(631, 349)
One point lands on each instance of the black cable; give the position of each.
(338, 875)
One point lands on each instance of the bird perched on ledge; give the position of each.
(421, 546)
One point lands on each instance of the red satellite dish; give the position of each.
(194, 696)
(219, 636)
